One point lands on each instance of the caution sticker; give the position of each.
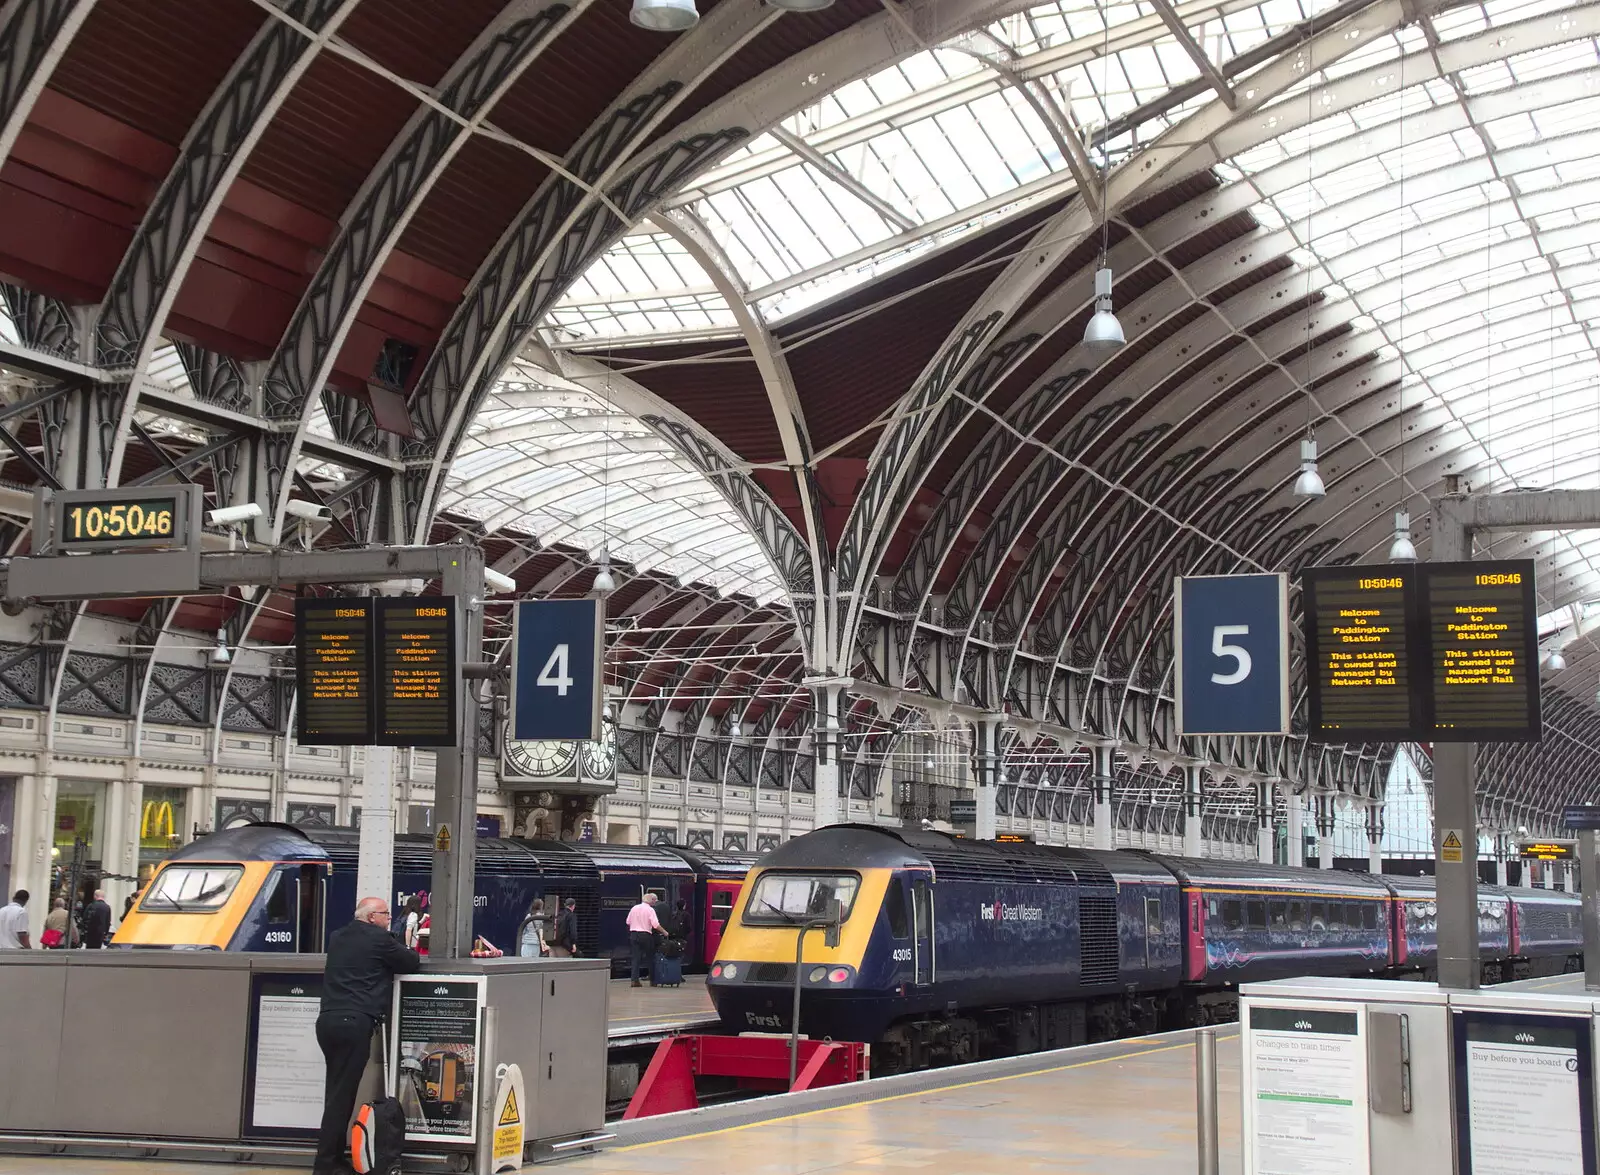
(1450, 846)
(441, 839)
(510, 1132)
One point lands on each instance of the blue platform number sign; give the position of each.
(1230, 633)
(557, 647)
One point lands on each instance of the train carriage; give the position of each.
(1547, 933)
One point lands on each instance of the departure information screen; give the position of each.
(1483, 632)
(417, 671)
(333, 638)
(1358, 652)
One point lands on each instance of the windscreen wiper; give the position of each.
(784, 914)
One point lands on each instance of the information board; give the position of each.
(333, 641)
(417, 672)
(284, 1077)
(1483, 634)
(556, 670)
(1231, 654)
(1547, 850)
(435, 1059)
(1358, 652)
(1305, 1090)
(1524, 1093)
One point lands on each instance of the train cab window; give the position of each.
(780, 898)
(894, 904)
(277, 899)
(1256, 915)
(1233, 914)
(1297, 915)
(191, 888)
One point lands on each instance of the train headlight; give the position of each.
(817, 974)
(730, 971)
(838, 975)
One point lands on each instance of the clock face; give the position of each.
(541, 758)
(600, 758)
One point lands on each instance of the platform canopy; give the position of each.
(783, 318)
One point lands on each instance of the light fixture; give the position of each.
(220, 654)
(733, 730)
(927, 763)
(801, 5)
(1555, 662)
(603, 581)
(1402, 550)
(1103, 336)
(1309, 483)
(664, 16)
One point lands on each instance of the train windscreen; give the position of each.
(780, 899)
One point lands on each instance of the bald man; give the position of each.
(358, 983)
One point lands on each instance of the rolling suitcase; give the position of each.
(667, 970)
(378, 1135)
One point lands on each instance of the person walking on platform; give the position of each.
(357, 985)
(643, 930)
(97, 922)
(14, 923)
(565, 945)
(57, 925)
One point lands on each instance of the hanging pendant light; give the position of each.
(1555, 662)
(1402, 550)
(603, 582)
(664, 16)
(1103, 336)
(1309, 483)
(800, 5)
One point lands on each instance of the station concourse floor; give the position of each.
(1121, 1108)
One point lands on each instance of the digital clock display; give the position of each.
(101, 520)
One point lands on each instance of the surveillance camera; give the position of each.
(496, 582)
(310, 511)
(230, 515)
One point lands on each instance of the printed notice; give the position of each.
(1307, 1091)
(436, 1039)
(287, 1077)
(1525, 1096)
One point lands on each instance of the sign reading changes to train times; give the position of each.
(417, 671)
(333, 639)
(1483, 634)
(1358, 643)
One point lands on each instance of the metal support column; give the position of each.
(455, 787)
(1588, 863)
(828, 806)
(1193, 811)
(375, 859)
(1325, 823)
(1375, 837)
(1266, 834)
(986, 732)
(1294, 817)
(1105, 832)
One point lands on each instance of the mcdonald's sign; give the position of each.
(155, 811)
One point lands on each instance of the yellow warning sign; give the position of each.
(1450, 847)
(441, 839)
(509, 1131)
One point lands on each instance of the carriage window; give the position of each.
(277, 899)
(191, 888)
(1280, 918)
(1319, 916)
(780, 898)
(1369, 917)
(1214, 910)
(1297, 915)
(1257, 912)
(721, 906)
(895, 904)
(1233, 914)
(1335, 916)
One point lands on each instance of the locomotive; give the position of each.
(276, 887)
(953, 950)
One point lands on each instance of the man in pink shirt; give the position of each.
(643, 927)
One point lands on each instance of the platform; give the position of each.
(1122, 1108)
(1569, 984)
(643, 1015)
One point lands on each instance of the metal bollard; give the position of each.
(1205, 1080)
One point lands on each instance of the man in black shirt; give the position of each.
(357, 985)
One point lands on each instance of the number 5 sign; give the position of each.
(1230, 633)
(556, 651)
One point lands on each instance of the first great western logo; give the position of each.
(1000, 912)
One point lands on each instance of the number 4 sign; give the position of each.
(556, 652)
(1231, 654)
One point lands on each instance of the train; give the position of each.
(952, 950)
(280, 888)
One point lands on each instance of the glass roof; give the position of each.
(574, 466)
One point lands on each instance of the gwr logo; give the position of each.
(1000, 912)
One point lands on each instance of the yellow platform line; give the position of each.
(895, 1097)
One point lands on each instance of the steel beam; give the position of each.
(34, 36)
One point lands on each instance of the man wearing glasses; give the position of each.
(358, 983)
